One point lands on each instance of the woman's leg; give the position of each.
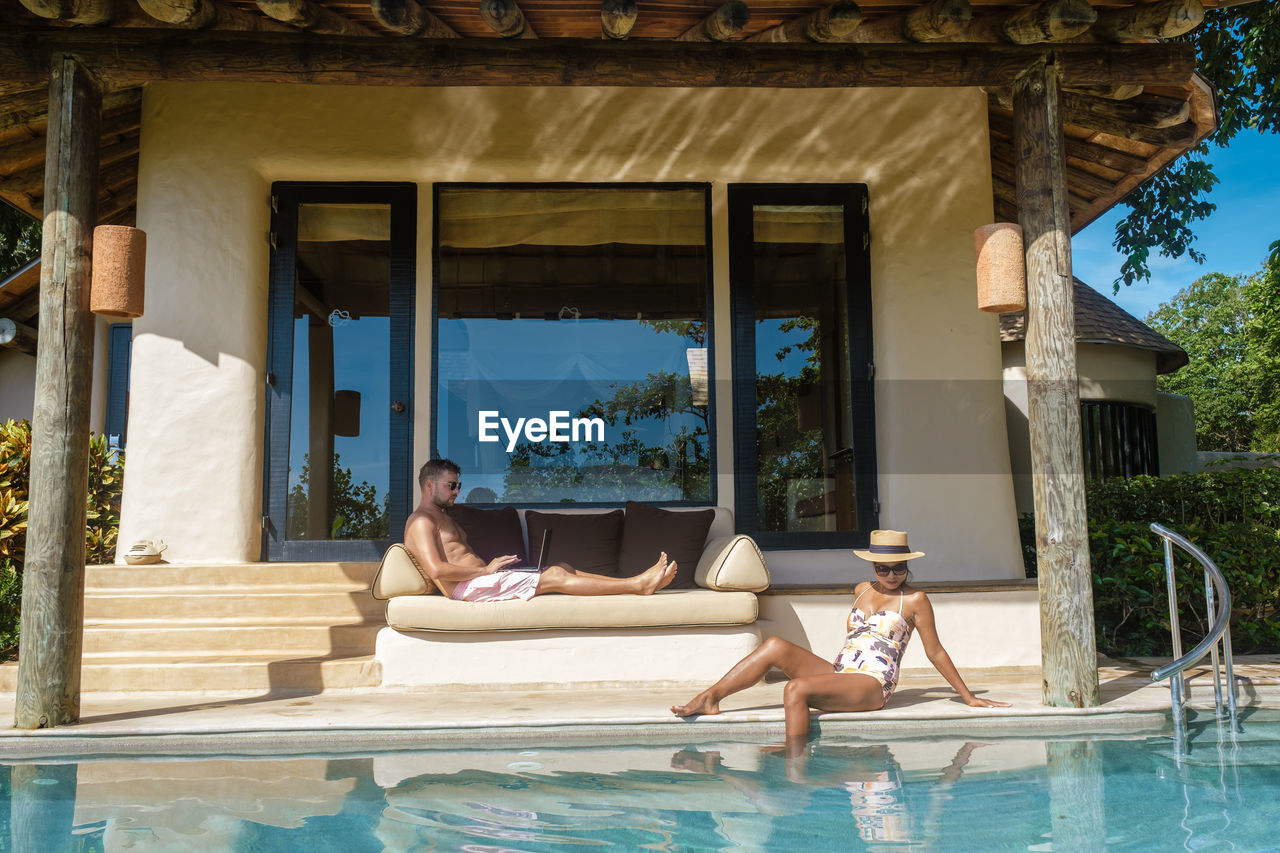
(831, 691)
(793, 660)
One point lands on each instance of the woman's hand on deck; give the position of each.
(979, 702)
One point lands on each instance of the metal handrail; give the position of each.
(1219, 630)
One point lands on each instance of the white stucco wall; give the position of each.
(1112, 372)
(210, 153)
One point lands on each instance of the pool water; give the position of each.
(938, 794)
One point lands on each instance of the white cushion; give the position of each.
(667, 608)
(732, 563)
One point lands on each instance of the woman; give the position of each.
(884, 614)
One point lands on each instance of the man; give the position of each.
(440, 546)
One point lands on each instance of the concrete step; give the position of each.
(235, 605)
(241, 673)
(256, 575)
(310, 636)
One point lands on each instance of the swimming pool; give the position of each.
(1023, 793)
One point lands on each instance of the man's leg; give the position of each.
(793, 660)
(562, 579)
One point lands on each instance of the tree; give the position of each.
(19, 240)
(1263, 297)
(1230, 328)
(1238, 51)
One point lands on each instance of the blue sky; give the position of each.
(1234, 238)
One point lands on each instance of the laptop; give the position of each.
(543, 552)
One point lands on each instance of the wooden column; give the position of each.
(53, 576)
(1068, 652)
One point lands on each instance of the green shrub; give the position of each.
(106, 473)
(1233, 516)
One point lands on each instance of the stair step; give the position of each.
(250, 673)
(163, 637)
(253, 575)
(237, 604)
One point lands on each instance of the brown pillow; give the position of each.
(491, 532)
(650, 529)
(588, 542)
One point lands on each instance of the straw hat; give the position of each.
(888, 546)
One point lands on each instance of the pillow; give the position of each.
(399, 574)
(733, 563)
(650, 529)
(589, 541)
(491, 532)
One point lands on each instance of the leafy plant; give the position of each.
(1233, 516)
(102, 512)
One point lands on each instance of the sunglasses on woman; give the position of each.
(894, 569)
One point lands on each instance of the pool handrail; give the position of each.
(1219, 629)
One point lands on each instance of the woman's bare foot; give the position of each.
(657, 576)
(700, 704)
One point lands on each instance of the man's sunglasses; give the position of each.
(899, 569)
(454, 486)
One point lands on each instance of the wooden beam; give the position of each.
(311, 16)
(1050, 20)
(829, 24)
(1069, 656)
(1164, 19)
(128, 58)
(934, 21)
(1114, 91)
(1120, 161)
(407, 18)
(724, 24)
(30, 110)
(617, 17)
(506, 19)
(90, 13)
(15, 335)
(1145, 110)
(25, 308)
(1046, 21)
(53, 575)
(182, 13)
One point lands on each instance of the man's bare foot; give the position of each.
(657, 576)
(700, 704)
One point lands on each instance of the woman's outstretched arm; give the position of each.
(941, 660)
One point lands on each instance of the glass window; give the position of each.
(571, 342)
(805, 425)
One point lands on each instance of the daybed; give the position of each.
(691, 631)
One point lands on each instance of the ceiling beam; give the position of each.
(1163, 19)
(724, 24)
(830, 23)
(124, 59)
(89, 13)
(407, 18)
(934, 21)
(311, 16)
(617, 17)
(506, 19)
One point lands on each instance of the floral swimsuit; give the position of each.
(875, 644)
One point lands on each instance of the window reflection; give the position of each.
(805, 462)
(571, 338)
(339, 445)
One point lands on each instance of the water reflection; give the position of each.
(849, 795)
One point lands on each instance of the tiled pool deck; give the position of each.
(375, 719)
